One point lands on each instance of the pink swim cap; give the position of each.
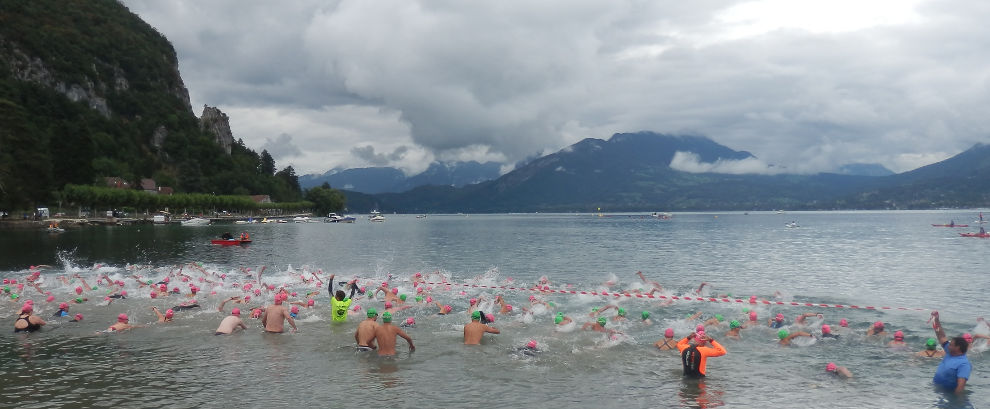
(194, 289)
(826, 329)
(63, 306)
(122, 317)
(395, 291)
(700, 327)
(247, 298)
(699, 335)
(6, 281)
(968, 337)
(447, 308)
(257, 291)
(843, 323)
(532, 297)
(830, 367)
(294, 294)
(27, 307)
(78, 290)
(154, 294)
(162, 287)
(357, 308)
(779, 317)
(410, 321)
(490, 317)
(123, 293)
(165, 280)
(50, 298)
(429, 299)
(384, 284)
(898, 335)
(175, 290)
(508, 307)
(388, 304)
(294, 309)
(531, 344)
(878, 325)
(752, 299)
(79, 317)
(185, 279)
(310, 302)
(235, 311)
(669, 333)
(473, 301)
(169, 313)
(419, 289)
(752, 315)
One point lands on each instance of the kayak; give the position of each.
(981, 235)
(950, 225)
(230, 242)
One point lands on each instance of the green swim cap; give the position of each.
(728, 295)
(745, 310)
(646, 314)
(602, 321)
(558, 319)
(95, 288)
(782, 334)
(419, 298)
(149, 282)
(79, 299)
(476, 315)
(6, 289)
(372, 313)
(622, 312)
(387, 317)
(14, 296)
(592, 310)
(930, 344)
(552, 305)
(402, 297)
(719, 317)
(734, 324)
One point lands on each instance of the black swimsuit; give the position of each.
(30, 327)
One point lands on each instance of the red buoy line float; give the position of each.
(674, 297)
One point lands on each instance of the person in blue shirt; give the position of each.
(954, 370)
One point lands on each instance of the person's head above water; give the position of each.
(898, 336)
(930, 344)
(782, 334)
(387, 317)
(734, 324)
(602, 321)
(669, 332)
(826, 329)
(646, 315)
(475, 316)
(830, 367)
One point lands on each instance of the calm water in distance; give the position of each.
(881, 259)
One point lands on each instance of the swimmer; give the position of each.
(645, 317)
(231, 323)
(411, 322)
(714, 321)
(167, 317)
(876, 329)
(838, 371)
(695, 352)
(667, 343)
(800, 319)
(777, 321)
(898, 341)
(474, 330)
(386, 334)
(274, 317)
(827, 332)
(294, 311)
(236, 300)
(365, 334)
(734, 328)
(620, 314)
(785, 337)
(27, 321)
(530, 349)
(63, 310)
(122, 323)
(931, 350)
(598, 326)
(444, 308)
(656, 286)
(561, 319)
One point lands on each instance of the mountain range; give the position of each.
(631, 172)
(392, 180)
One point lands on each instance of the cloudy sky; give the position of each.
(803, 85)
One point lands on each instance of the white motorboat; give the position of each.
(336, 218)
(662, 215)
(196, 221)
(376, 216)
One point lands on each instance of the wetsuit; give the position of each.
(30, 327)
(339, 307)
(60, 313)
(694, 365)
(178, 308)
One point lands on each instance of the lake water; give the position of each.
(866, 259)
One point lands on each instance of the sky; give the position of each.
(804, 85)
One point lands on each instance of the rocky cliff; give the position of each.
(216, 123)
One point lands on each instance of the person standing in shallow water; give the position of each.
(695, 352)
(386, 334)
(954, 370)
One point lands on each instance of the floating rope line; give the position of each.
(674, 297)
